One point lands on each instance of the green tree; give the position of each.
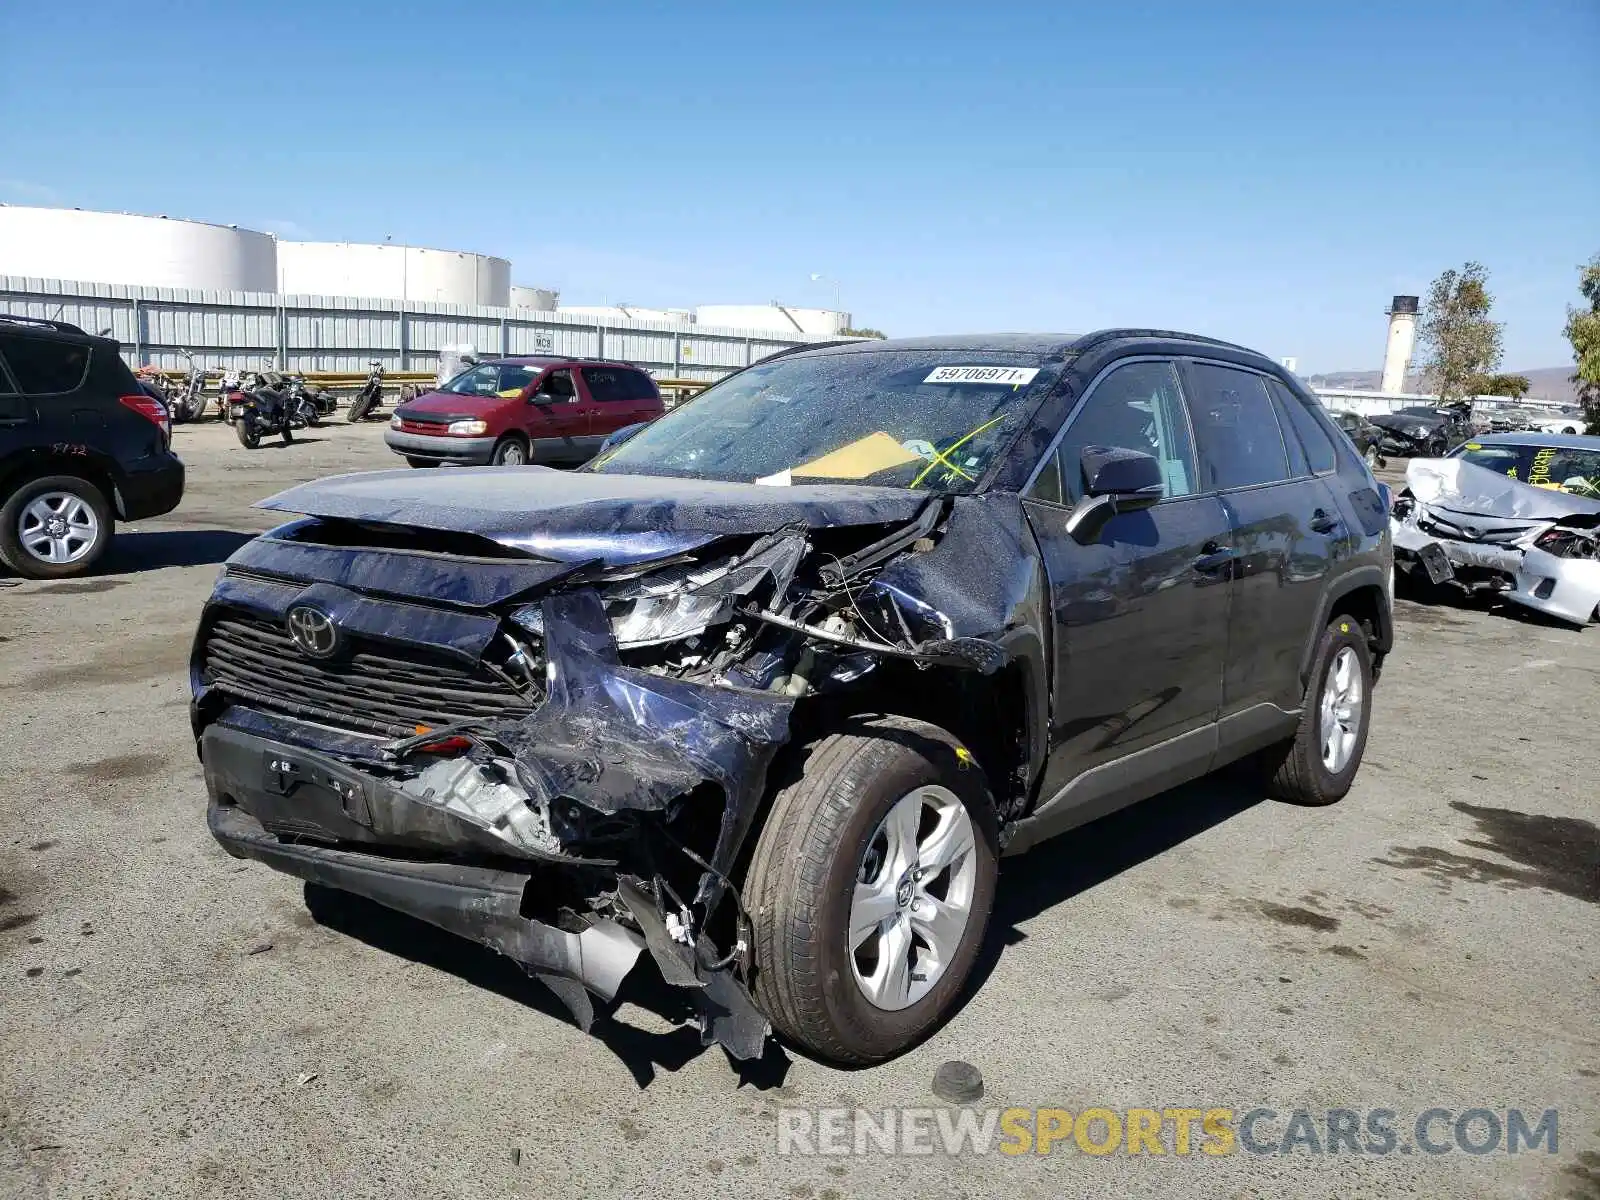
(1460, 343)
(866, 333)
(1514, 387)
(1583, 331)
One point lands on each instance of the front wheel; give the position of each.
(511, 452)
(1318, 765)
(870, 890)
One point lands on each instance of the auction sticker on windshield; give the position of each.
(1008, 376)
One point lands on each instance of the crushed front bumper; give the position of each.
(319, 818)
(1565, 588)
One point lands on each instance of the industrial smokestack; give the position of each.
(1402, 340)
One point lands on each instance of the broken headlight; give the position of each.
(666, 605)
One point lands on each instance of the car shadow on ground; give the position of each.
(148, 549)
(642, 1051)
(1054, 872)
(132, 551)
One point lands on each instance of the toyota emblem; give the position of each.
(314, 634)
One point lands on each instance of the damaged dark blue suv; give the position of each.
(765, 691)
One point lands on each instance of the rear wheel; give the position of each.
(287, 433)
(870, 890)
(249, 435)
(1318, 765)
(510, 451)
(54, 526)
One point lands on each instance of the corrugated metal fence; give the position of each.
(332, 333)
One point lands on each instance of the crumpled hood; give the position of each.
(1400, 422)
(1455, 485)
(580, 515)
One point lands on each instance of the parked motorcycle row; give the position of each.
(261, 403)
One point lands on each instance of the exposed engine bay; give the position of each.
(556, 742)
(1460, 524)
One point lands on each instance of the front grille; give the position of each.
(370, 688)
(429, 427)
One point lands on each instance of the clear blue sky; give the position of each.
(1270, 172)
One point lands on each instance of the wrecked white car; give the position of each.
(1515, 514)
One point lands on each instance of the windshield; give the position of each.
(1559, 467)
(491, 379)
(895, 418)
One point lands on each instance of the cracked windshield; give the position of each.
(929, 419)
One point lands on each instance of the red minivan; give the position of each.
(511, 411)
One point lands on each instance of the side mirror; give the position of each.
(1115, 481)
(542, 398)
(619, 436)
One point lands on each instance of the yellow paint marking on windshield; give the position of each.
(858, 459)
(939, 455)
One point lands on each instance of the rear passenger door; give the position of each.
(43, 377)
(620, 397)
(1284, 524)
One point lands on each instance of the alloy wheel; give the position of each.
(58, 528)
(913, 897)
(1342, 698)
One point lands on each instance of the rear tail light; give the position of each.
(150, 409)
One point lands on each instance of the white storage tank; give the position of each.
(779, 318)
(628, 312)
(103, 247)
(537, 298)
(392, 272)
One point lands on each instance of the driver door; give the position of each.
(1140, 613)
(559, 419)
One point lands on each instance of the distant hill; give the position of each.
(1548, 383)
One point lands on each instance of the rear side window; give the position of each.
(42, 367)
(1235, 429)
(1318, 446)
(615, 383)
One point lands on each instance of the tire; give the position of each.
(510, 451)
(1436, 448)
(86, 534)
(820, 836)
(287, 433)
(1299, 770)
(249, 436)
(420, 463)
(313, 417)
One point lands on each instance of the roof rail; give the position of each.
(1111, 335)
(40, 323)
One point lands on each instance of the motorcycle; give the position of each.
(262, 410)
(370, 398)
(307, 404)
(188, 400)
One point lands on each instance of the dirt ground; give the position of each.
(175, 1023)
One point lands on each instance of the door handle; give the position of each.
(1213, 558)
(1321, 522)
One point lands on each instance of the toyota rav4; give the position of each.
(764, 692)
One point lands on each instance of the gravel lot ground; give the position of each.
(174, 1023)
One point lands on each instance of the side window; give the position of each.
(1319, 449)
(42, 367)
(607, 385)
(1235, 428)
(559, 385)
(640, 386)
(13, 408)
(1137, 406)
(513, 379)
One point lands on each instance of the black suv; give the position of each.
(81, 446)
(768, 688)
